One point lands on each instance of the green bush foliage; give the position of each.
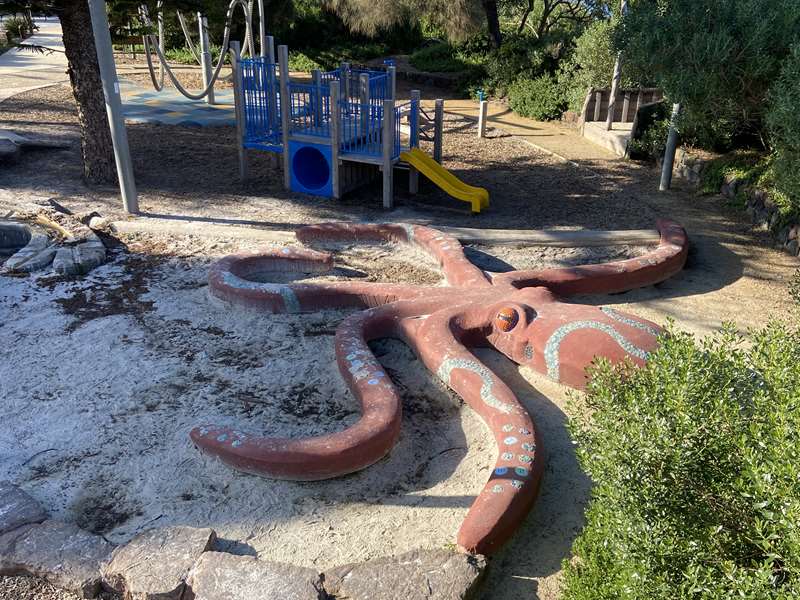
(590, 65)
(16, 26)
(696, 461)
(300, 62)
(717, 57)
(541, 98)
(439, 58)
(653, 141)
(783, 120)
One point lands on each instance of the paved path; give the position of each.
(21, 71)
(552, 137)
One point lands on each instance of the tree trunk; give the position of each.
(84, 74)
(493, 21)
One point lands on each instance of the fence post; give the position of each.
(363, 98)
(316, 80)
(669, 152)
(598, 100)
(626, 107)
(438, 130)
(286, 108)
(205, 56)
(413, 140)
(270, 50)
(482, 115)
(344, 75)
(335, 139)
(239, 111)
(392, 70)
(388, 145)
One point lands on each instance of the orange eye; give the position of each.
(506, 319)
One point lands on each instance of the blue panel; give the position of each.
(310, 168)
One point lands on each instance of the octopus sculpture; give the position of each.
(519, 313)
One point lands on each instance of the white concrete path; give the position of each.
(21, 71)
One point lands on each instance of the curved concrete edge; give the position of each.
(37, 254)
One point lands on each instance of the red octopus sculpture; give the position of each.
(518, 313)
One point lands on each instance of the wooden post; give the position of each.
(388, 146)
(316, 79)
(626, 107)
(483, 113)
(598, 100)
(336, 183)
(286, 108)
(585, 109)
(238, 102)
(392, 82)
(344, 75)
(413, 140)
(438, 130)
(612, 101)
(270, 49)
(669, 152)
(363, 94)
(205, 56)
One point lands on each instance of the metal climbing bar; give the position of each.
(310, 110)
(262, 117)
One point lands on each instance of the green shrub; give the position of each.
(184, 56)
(541, 98)
(783, 121)
(794, 287)
(520, 57)
(653, 141)
(300, 62)
(16, 26)
(438, 58)
(718, 58)
(696, 461)
(748, 166)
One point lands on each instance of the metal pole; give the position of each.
(364, 101)
(161, 43)
(262, 29)
(205, 56)
(482, 115)
(669, 152)
(388, 145)
(316, 80)
(612, 101)
(286, 107)
(238, 102)
(116, 123)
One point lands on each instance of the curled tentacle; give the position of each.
(513, 485)
(618, 276)
(335, 454)
(238, 279)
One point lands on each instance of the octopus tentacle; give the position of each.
(346, 451)
(513, 485)
(611, 277)
(446, 249)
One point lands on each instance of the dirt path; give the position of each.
(733, 274)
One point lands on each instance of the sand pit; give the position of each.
(106, 375)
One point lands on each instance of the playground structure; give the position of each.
(335, 134)
(339, 131)
(518, 313)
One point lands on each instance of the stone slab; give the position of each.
(154, 564)
(416, 575)
(221, 576)
(17, 508)
(61, 553)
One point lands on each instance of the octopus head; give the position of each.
(561, 340)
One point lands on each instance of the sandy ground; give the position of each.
(137, 354)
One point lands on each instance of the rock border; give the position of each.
(185, 563)
(759, 205)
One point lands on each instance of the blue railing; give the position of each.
(310, 110)
(262, 116)
(361, 128)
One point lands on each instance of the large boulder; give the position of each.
(220, 576)
(61, 553)
(416, 575)
(154, 564)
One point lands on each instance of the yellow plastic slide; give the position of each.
(478, 197)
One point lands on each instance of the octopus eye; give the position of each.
(506, 319)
